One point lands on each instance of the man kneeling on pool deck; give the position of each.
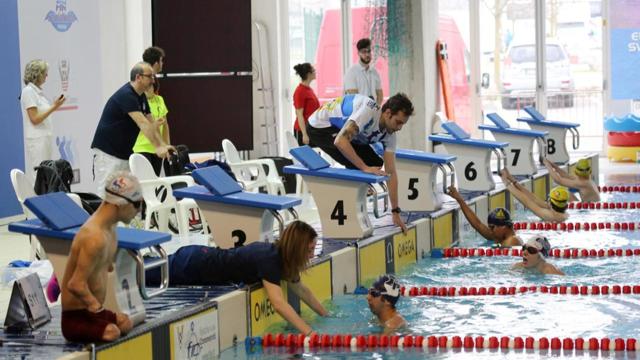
(91, 259)
(382, 298)
(533, 256)
(346, 127)
(499, 228)
(268, 263)
(553, 210)
(581, 181)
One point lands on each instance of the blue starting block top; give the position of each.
(315, 165)
(425, 156)
(418, 155)
(460, 137)
(59, 217)
(503, 127)
(539, 119)
(256, 200)
(218, 186)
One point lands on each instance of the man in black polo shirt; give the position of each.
(125, 114)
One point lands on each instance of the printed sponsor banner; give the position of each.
(68, 39)
(625, 49)
(196, 337)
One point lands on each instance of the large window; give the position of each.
(574, 67)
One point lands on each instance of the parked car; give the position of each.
(519, 75)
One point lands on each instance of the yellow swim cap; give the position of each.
(583, 168)
(559, 197)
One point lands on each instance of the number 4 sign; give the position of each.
(27, 307)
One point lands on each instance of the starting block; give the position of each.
(340, 194)
(59, 219)
(473, 157)
(520, 150)
(556, 140)
(236, 217)
(417, 180)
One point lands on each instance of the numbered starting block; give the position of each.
(520, 150)
(473, 157)
(556, 140)
(417, 178)
(236, 217)
(59, 219)
(340, 194)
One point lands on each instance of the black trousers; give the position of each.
(324, 138)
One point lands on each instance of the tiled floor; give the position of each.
(14, 246)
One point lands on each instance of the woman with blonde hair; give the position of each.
(36, 115)
(268, 263)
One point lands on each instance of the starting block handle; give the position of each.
(375, 196)
(452, 176)
(502, 159)
(542, 147)
(141, 267)
(279, 218)
(575, 135)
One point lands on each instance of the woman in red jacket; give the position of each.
(305, 102)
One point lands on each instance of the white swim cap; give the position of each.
(121, 186)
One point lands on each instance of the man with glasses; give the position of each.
(382, 298)
(499, 228)
(533, 256)
(91, 258)
(125, 114)
(362, 78)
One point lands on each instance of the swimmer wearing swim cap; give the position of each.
(553, 210)
(382, 298)
(580, 180)
(534, 252)
(93, 250)
(499, 228)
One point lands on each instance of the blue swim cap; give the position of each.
(499, 217)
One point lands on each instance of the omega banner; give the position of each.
(66, 34)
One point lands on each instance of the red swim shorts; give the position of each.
(85, 326)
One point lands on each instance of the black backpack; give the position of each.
(176, 161)
(53, 176)
(57, 175)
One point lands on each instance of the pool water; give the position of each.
(530, 314)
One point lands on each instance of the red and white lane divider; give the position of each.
(604, 205)
(559, 253)
(443, 343)
(571, 226)
(451, 291)
(619, 188)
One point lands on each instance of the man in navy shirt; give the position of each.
(125, 114)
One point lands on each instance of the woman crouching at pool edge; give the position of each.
(533, 256)
(268, 263)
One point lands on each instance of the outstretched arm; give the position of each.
(274, 292)
(307, 296)
(560, 176)
(390, 168)
(472, 218)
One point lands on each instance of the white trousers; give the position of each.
(37, 150)
(103, 165)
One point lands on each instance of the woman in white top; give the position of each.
(36, 115)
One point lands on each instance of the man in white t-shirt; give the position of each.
(362, 78)
(346, 127)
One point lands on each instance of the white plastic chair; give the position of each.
(149, 182)
(251, 173)
(23, 189)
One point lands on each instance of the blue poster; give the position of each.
(625, 49)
